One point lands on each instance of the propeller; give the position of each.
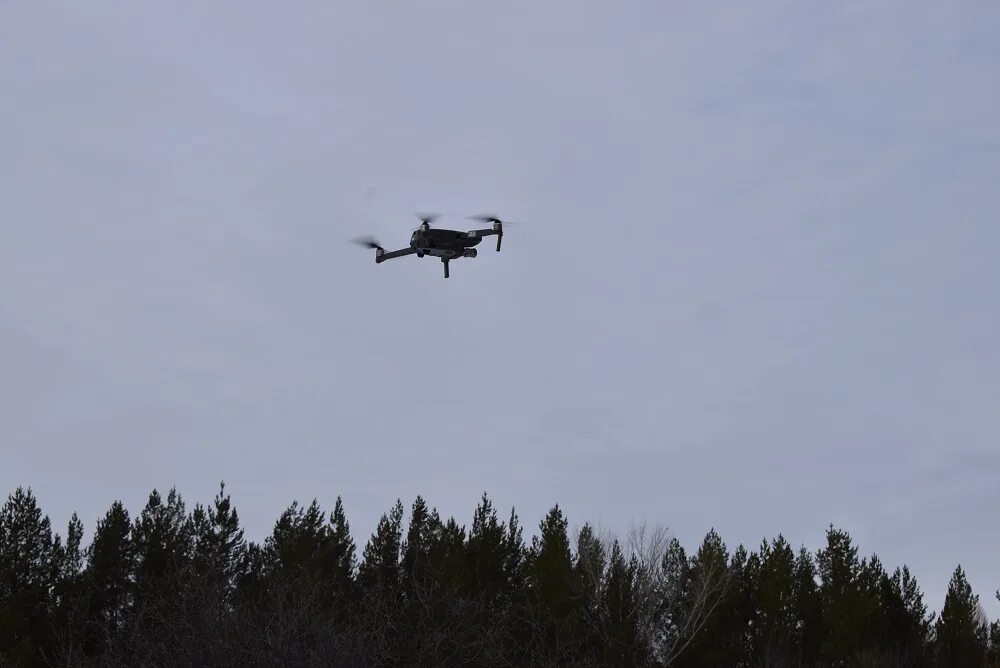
(495, 222)
(427, 218)
(486, 218)
(367, 242)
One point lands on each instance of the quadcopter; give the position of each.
(436, 242)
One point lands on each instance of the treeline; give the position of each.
(173, 587)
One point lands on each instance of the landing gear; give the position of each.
(445, 261)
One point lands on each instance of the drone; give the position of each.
(436, 242)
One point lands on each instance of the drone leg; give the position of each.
(499, 237)
(445, 267)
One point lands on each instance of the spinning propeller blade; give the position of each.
(367, 242)
(428, 218)
(495, 222)
(485, 218)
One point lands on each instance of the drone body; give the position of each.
(445, 244)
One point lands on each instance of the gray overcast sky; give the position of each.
(755, 287)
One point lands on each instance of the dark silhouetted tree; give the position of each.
(704, 633)
(810, 629)
(28, 571)
(551, 608)
(961, 629)
(163, 540)
(620, 614)
(108, 579)
(380, 563)
(776, 614)
(839, 567)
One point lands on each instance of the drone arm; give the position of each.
(484, 233)
(488, 232)
(382, 257)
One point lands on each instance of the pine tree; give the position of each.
(909, 623)
(622, 641)
(515, 556)
(297, 540)
(839, 569)
(588, 583)
(163, 539)
(447, 556)
(706, 622)
(588, 571)
(486, 554)
(72, 562)
(28, 568)
(551, 566)
(665, 592)
(993, 654)
(552, 633)
(776, 618)
(961, 630)
(419, 541)
(738, 608)
(219, 547)
(380, 565)
(339, 556)
(874, 602)
(107, 577)
(27, 546)
(810, 630)
(69, 606)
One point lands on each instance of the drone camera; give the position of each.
(470, 252)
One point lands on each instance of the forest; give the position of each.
(179, 586)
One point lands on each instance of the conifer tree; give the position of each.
(515, 556)
(71, 566)
(162, 607)
(27, 546)
(621, 638)
(219, 547)
(28, 566)
(875, 600)
(993, 654)
(68, 578)
(909, 622)
(447, 556)
(666, 591)
(486, 553)
(550, 610)
(839, 568)
(589, 568)
(107, 577)
(339, 556)
(776, 614)
(420, 538)
(380, 565)
(738, 607)
(297, 541)
(163, 538)
(961, 632)
(810, 630)
(551, 566)
(706, 620)
(588, 571)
